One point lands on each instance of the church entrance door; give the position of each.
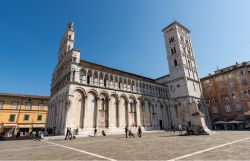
(160, 122)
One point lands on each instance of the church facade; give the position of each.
(85, 95)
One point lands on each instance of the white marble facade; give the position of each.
(85, 95)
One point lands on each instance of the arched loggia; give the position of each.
(103, 110)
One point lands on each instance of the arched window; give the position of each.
(153, 109)
(193, 75)
(131, 107)
(189, 64)
(74, 75)
(188, 73)
(103, 104)
(69, 37)
(175, 62)
(88, 79)
(69, 48)
(105, 82)
(174, 50)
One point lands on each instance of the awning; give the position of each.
(24, 126)
(39, 125)
(235, 122)
(220, 122)
(10, 125)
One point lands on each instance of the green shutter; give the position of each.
(39, 118)
(12, 118)
(26, 117)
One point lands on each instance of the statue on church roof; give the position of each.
(70, 25)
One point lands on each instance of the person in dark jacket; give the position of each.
(95, 131)
(18, 135)
(139, 132)
(126, 131)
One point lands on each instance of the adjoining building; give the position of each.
(227, 95)
(85, 95)
(22, 112)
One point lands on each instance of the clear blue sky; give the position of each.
(121, 34)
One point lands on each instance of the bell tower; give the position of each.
(67, 41)
(184, 84)
(181, 61)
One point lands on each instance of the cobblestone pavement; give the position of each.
(227, 145)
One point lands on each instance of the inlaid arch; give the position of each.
(93, 91)
(114, 110)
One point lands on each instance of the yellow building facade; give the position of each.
(22, 112)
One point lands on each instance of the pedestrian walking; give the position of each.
(126, 131)
(139, 132)
(180, 129)
(130, 134)
(67, 136)
(18, 135)
(173, 128)
(37, 136)
(13, 134)
(95, 131)
(2, 135)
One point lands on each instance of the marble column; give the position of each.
(139, 113)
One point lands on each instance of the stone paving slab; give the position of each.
(17, 144)
(237, 151)
(45, 153)
(152, 146)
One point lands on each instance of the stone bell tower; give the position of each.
(184, 86)
(181, 61)
(67, 41)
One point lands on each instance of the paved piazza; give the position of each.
(227, 145)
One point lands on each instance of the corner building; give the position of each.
(227, 95)
(22, 112)
(86, 95)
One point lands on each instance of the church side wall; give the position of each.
(111, 110)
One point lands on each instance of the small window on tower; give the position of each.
(171, 39)
(194, 75)
(174, 50)
(69, 37)
(175, 62)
